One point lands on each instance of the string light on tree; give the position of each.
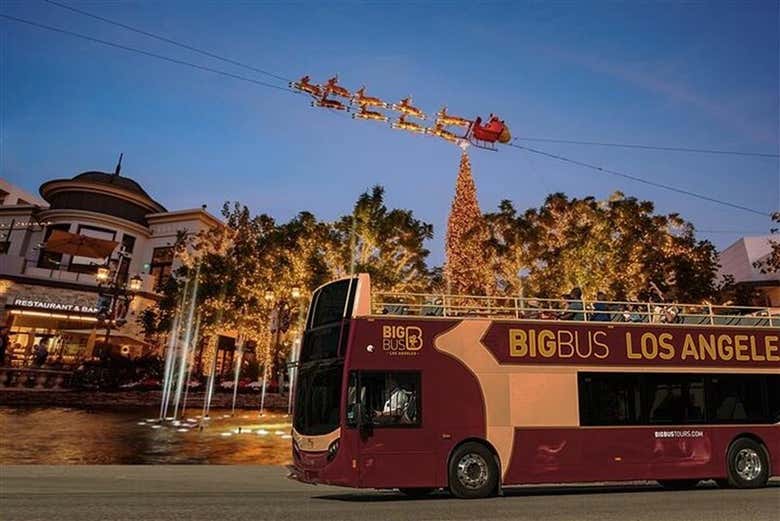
(465, 269)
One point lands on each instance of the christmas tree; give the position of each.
(466, 270)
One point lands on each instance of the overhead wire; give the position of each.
(650, 147)
(640, 179)
(287, 89)
(146, 53)
(169, 40)
(283, 78)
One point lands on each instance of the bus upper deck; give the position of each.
(579, 310)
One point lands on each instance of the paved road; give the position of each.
(165, 493)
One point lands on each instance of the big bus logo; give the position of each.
(402, 340)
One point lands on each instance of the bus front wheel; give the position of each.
(473, 471)
(748, 464)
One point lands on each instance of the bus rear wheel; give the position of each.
(679, 484)
(748, 465)
(473, 471)
(416, 492)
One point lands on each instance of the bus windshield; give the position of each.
(318, 389)
(318, 395)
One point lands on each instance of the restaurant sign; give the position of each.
(43, 305)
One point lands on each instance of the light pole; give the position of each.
(115, 296)
(280, 323)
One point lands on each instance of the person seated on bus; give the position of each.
(397, 407)
(574, 306)
(602, 311)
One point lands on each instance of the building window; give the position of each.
(161, 266)
(48, 259)
(127, 246)
(388, 399)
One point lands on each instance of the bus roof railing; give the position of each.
(583, 310)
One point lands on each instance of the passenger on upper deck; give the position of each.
(574, 306)
(602, 310)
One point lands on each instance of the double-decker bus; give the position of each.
(421, 392)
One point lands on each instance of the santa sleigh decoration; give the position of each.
(485, 136)
(481, 136)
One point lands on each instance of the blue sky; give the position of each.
(665, 73)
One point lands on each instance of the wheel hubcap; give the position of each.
(473, 471)
(748, 464)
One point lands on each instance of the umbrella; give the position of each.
(83, 246)
(119, 338)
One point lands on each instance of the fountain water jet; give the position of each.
(170, 355)
(177, 360)
(184, 351)
(240, 349)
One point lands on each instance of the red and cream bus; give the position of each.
(421, 392)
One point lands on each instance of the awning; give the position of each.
(118, 338)
(74, 244)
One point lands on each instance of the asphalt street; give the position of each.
(203, 492)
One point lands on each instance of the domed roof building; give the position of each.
(100, 192)
(49, 292)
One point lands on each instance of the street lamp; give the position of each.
(115, 295)
(135, 283)
(103, 274)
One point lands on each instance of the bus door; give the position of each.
(393, 446)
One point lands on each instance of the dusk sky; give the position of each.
(701, 75)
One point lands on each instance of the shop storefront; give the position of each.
(61, 330)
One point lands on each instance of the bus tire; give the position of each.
(747, 463)
(678, 484)
(473, 472)
(416, 492)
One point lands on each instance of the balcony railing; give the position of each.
(20, 266)
(28, 378)
(519, 308)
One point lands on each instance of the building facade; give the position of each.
(742, 260)
(51, 301)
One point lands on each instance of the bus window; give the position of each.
(609, 399)
(321, 343)
(390, 399)
(675, 399)
(333, 302)
(737, 398)
(773, 393)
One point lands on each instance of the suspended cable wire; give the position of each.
(169, 40)
(639, 179)
(286, 89)
(146, 53)
(650, 147)
(736, 232)
(285, 79)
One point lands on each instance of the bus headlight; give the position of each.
(333, 448)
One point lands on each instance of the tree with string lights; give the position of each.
(466, 270)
